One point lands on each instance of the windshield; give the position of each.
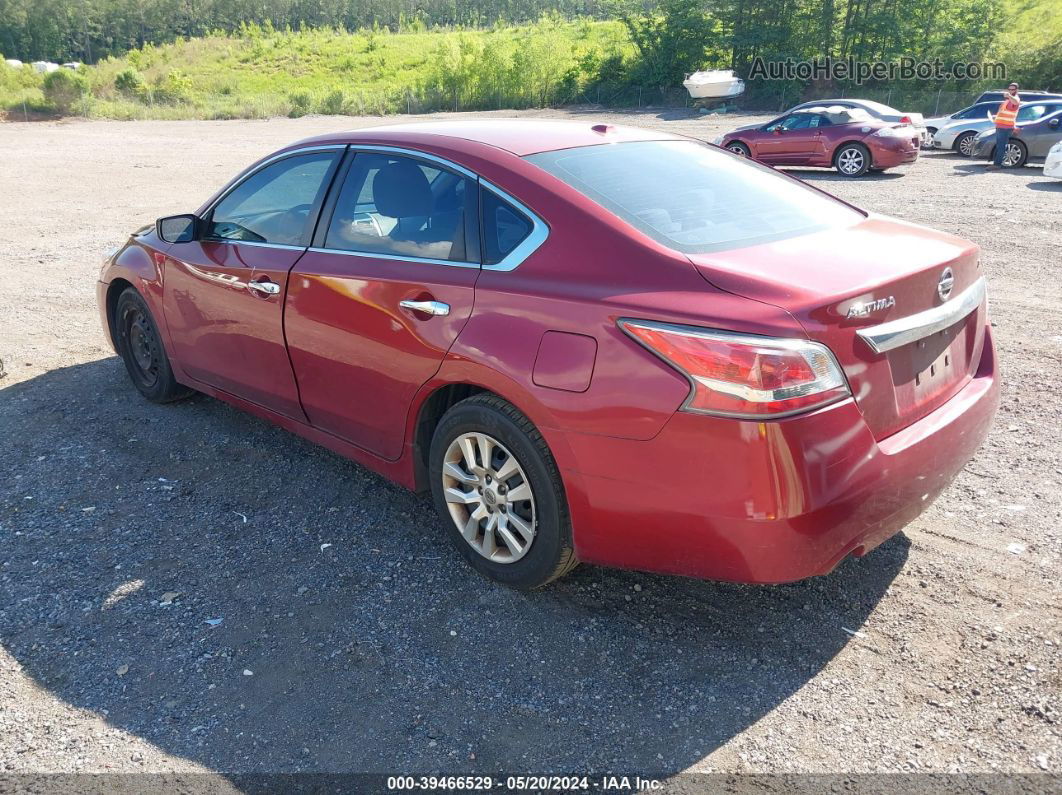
(695, 198)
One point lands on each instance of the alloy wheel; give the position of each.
(966, 145)
(489, 497)
(850, 161)
(1012, 155)
(737, 150)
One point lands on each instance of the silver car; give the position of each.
(876, 111)
(960, 135)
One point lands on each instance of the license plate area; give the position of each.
(930, 370)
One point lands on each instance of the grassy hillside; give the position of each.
(261, 72)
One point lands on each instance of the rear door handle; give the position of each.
(265, 288)
(427, 307)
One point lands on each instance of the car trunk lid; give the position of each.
(872, 293)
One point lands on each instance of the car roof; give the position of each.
(518, 136)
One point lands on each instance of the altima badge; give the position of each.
(866, 307)
(946, 284)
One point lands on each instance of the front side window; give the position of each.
(1031, 112)
(400, 206)
(272, 205)
(694, 198)
(797, 121)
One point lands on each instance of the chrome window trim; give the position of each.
(397, 257)
(535, 238)
(398, 150)
(897, 333)
(230, 242)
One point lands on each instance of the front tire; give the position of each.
(739, 149)
(140, 346)
(499, 494)
(852, 160)
(1015, 155)
(964, 144)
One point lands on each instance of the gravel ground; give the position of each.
(187, 588)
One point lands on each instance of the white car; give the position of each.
(1053, 163)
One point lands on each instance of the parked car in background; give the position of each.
(1053, 162)
(846, 139)
(875, 110)
(588, 343)
(959, 135)
(977, 111)
(1026, 96)
(1029, 143)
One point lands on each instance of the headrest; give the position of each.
(401, 190)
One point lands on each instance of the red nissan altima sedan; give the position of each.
(588, 343)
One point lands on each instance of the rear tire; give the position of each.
(852, 160)
(499, 494)
(139, 344)
(964, 144)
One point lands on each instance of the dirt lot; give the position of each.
(382, 651)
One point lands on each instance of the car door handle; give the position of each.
(427, 307)
(265, 288)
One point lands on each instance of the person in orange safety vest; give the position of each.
(1004, 120)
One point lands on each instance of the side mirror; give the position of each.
(178, 228)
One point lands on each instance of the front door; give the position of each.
(224, 292)
(789, 141)
(375, 305)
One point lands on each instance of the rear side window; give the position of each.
(695, 198)
(401, 206)
(273, 205)
(504, 228)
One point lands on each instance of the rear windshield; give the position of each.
(692, 197)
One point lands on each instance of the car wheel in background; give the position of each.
(964, 144)
(739, 148)
(927, 139)
(1016, 154)
(140, 346)
(499, 493)
(852, 160)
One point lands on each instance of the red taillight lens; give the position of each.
(905, 120)
(742, 375)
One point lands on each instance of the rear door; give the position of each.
(224, 293)
(376, 303)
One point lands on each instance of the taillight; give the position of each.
(905, 120)
(743, 375)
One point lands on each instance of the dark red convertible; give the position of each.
(847, 139)
(588, 343)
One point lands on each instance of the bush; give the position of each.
(129, 82)
(174, 88)
(333, 103)
(63, 89)
(300, 103)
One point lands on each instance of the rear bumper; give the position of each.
(891, 155)
(775, 501)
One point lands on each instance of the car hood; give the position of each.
(744, 127)
(967, 124)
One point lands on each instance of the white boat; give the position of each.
(714, 84)
(44, 67)
(14, 63)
